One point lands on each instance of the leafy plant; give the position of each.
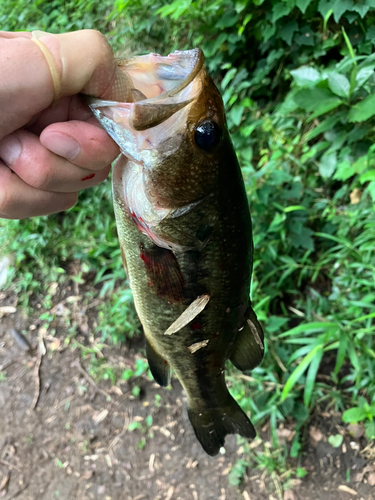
(364, 412)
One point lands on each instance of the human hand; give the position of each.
(51, 146)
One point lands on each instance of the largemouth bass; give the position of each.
(185, 234)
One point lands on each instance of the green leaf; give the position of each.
(349, 45)
(326, 19)
(371, 190)
(133, 426)
(327, 164)
(236, 114)
(303, 239)
(325, 6)
(327, 124)
(306, 76)
(298, 372)
(353, 415)
(325, 107)
(293, 208)
(303, 4)
(316, 326)
(287, 31)
(280, 9)
(336, 440)
(363, 110)
(367, 176)
(339, 84)
(341, 352)
(176, 9)
(364, 74)
(308, 99)
(127, 374)
(229, 19)
(370, 429)
(311, 375)
(362, 8)
(341, 6)
(301, 472)
(268, 31)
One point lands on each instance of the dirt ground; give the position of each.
(62, 436)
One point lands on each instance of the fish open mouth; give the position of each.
(161, 87)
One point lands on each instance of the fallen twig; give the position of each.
(37, 381)
(92, 381)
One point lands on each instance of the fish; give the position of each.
(185, 234)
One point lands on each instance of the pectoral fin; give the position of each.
(248, 348)
(159, 367)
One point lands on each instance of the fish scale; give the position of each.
(185, 234)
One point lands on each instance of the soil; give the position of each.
(64, 436)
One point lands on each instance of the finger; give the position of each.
(18, 200)
(83, 143)
(38, 167)
(83, 61)
(17, 34)
(66, 108)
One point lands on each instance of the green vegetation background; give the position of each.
(297, 78)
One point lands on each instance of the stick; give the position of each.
(91, 380)
(37, 381)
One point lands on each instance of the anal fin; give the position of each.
(159, 367)
(248, 348)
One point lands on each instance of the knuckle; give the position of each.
(100, 41)
(40, 176)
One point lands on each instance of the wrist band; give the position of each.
(56, 80)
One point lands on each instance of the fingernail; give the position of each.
(10, 149)
(62, 145)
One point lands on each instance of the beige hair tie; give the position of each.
(56, 80)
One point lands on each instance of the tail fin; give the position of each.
(211, 425)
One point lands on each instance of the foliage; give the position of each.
(297, 79)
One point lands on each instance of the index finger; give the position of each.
(84, 62)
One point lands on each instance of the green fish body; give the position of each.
(185, 234)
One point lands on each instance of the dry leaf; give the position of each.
(289, 495)
(7, 310)
(100, 417)
(246, 495)
(191, 312)
(4, 482)
(54, 346)
(360, 475)
(170, 493)
(342, 487)
(371, 479)
(42, 347)
(315, 434)
(355, 196)
(356, 430)
(198, 345)
(284, 434)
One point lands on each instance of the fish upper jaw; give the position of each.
(169, 85)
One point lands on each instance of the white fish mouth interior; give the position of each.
(169, 85)
(154, 75)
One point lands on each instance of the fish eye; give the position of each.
(207, 135)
